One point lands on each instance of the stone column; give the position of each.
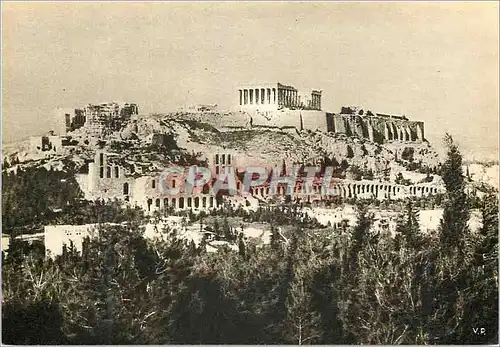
(241, 97)
(420, 133)
(370, 132)
(257, 96)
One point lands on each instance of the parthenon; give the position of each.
(276, 95)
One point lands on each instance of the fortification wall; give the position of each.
(314, 120)
(298, 119)
(280, 118)
(376, 128)
(216, 119)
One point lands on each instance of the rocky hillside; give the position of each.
(259, 146)
(271, 146)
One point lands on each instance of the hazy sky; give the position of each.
(435, 62)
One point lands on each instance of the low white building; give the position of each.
(56, 236)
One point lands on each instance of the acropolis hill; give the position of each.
(120, 153)
(267, 117)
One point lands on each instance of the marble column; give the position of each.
(420, 133)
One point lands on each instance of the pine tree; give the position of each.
(489, 245)
(360, 235)
(274, 238)
(408, 225)
(453, 226)
(242, 247)
(226, 230)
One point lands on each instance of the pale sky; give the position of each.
(434, 62)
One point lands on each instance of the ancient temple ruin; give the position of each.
(274, 96)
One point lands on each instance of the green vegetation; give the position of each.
(35, 197)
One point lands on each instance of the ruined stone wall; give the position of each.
(106, 179)
(375, 128)
(143, 191)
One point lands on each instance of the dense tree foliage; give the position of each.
(34, 197)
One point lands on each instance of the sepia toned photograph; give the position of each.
(250, 173)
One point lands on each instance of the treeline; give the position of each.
(308, 286)
(34, 197)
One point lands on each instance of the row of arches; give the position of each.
(351, 190)
(106, 170)
(422, 190)
(402, 133)
(182, 202)
(222, 159)
(109, 172)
